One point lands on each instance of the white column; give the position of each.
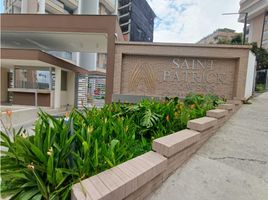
(89, 7)
(86, 7)
(57, 91)
(24, 6)
(42, 6)
(88, 61)
(116, 7)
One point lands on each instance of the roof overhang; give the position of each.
(73, 33)
(51, 41)
(253, 9)
(36, 58)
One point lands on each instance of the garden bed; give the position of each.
(65, 151)
(140, 176)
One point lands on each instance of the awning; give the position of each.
(36, 58)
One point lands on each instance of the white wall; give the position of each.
(71, 87)
(57, 91)
(86, 7)
(89, 7)
(250, 75)
(64, 98)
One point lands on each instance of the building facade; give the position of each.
(38, 75)
(136, 19)
(257, 11)
(88, 86)
(88, 61)
(219, 36)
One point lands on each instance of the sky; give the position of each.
(188, 21)
(1, 6)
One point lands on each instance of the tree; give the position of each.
(261, 56)
(260, 53)
(223, 41)
(236, 40)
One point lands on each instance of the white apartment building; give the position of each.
(223, 34)
(88, 61)
(257, 11)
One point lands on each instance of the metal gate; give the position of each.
(96, 90)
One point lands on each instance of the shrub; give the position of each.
(260, 88)
(67, 150)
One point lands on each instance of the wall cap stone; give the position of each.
(217, 113)
(201, 124)
(226, 106)
(174, 143)
(236, 102)
(223, 46)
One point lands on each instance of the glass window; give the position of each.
(31, 78)
(63, 80)
(265, 42)
(42, 79)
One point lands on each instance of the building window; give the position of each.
(265, 42)
(139, 34)
(43, 79)
(63, 80)
(31, 78)
(102, 60)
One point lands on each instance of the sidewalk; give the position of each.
(231, 165)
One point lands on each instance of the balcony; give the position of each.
(10, 4)
(109, 4)
(16, 3)
(54, 7)
(245, 4)
(253, 8)
(71, 4)
(125, 27)
(124, 18)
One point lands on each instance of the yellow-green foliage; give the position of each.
(67, 150)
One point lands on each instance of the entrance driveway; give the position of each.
(231, 165)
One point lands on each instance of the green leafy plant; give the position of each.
(260, 88)
(37, 167)
(261, 56)
(65, 151)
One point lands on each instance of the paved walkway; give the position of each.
(232, 165)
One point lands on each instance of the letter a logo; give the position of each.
(142, 76)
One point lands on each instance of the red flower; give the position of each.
(9, 113)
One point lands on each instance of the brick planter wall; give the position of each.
(229, 107)
(177, 148)
(220, 114)
(138, 177)
(237, 103)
